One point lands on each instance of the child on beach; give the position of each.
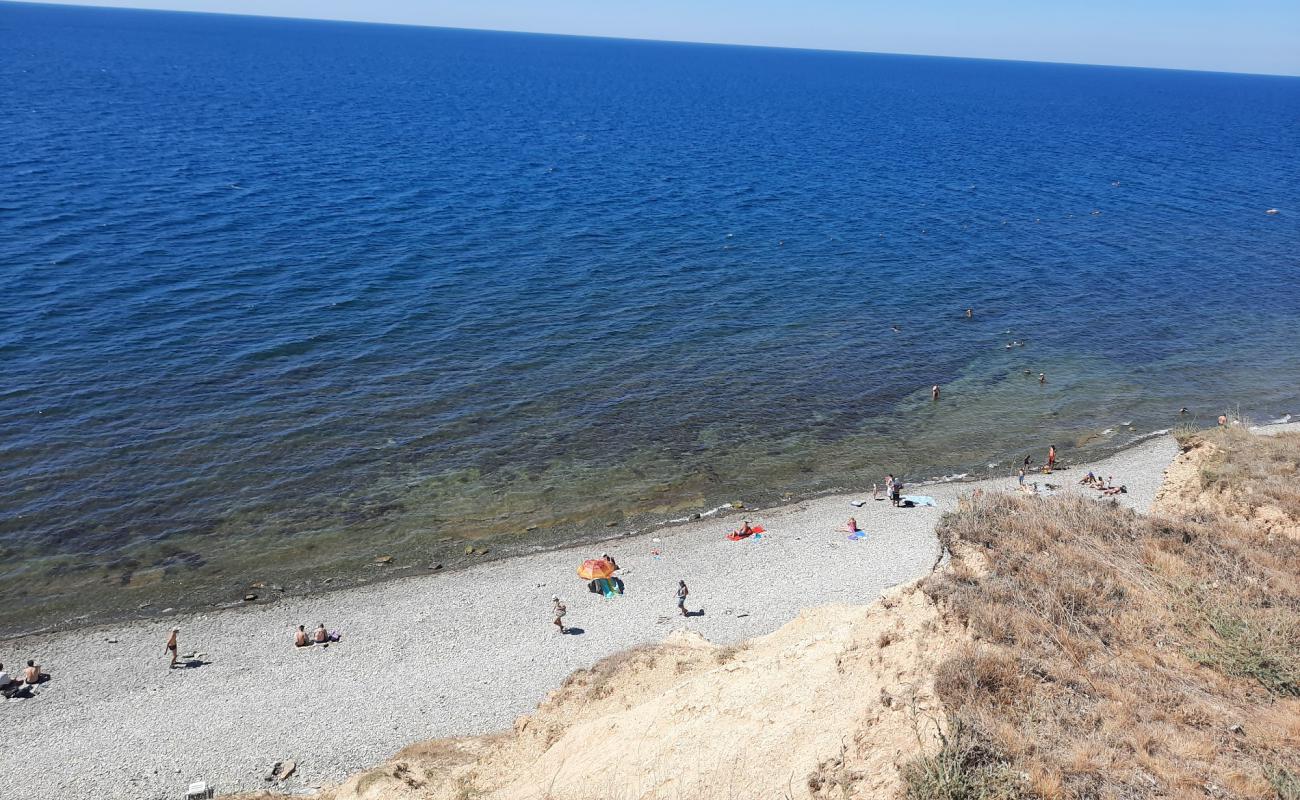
(559, 612)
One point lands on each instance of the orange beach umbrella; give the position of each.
(595, 568)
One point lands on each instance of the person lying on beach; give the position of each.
(613, 565)
(559, 612)
(1121, 489)
(300, 638)
(1088, 480)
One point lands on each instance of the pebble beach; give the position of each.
(458, 653)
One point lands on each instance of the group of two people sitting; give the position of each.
(21, 686)
(318, 636)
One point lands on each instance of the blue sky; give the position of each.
(1239, 36)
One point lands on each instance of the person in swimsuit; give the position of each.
(300, 638)
(934, 392)
(560, 611)
(970, 313)
(32, 675)
(745, 530)
(171, 645)
(321, 635)
(682, 591)
(1051, 458)
(851, 526)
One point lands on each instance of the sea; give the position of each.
(281, 299)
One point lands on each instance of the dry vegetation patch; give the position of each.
(1117, 655)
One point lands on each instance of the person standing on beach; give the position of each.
(682, 591)
(1021, 477)
(1051, 458)
(171, 646)
(560, 611)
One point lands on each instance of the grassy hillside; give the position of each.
(1116, 655)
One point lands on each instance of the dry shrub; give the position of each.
(1122, 656)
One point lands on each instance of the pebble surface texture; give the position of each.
(463, 652)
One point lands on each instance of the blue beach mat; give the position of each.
(920, 499)
(856, 535)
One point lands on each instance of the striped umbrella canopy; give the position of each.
(594, 568)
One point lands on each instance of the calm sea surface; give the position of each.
(281, 297)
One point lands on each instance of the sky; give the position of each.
(1231, 36)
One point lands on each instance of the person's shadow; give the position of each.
(699, 613)
(192, 663)
(573, 631)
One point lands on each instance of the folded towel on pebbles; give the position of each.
(920, 499)
(857, 503)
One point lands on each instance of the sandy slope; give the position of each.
(454, 654)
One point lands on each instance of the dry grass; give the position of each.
(1249, 473)
(1122, 656)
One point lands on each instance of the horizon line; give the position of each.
(610, 37)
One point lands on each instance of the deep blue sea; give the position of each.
(279, 297)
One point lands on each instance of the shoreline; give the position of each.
(455, 653)
(272, 594)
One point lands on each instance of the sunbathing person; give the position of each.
(745, 530)
(300, 638)
(321, 636)
(613, 565)
(1121, 489)
(851, 526)
(32, 675)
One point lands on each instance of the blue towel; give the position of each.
(920, 499)
(856, 535)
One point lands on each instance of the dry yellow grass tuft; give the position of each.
(1117, 655)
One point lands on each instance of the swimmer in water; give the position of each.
(969, 313)
(1042, 377)
(934, 392)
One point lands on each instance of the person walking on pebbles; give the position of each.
(171, 646)
(559, 612)
(682, 592)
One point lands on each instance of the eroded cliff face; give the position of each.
(1239, 475)
(833, 702)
